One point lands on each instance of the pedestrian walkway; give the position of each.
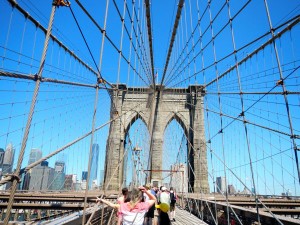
(184, 217)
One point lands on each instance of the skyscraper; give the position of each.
(231, 189)
(221, 184)
(84, 175)
(41, 177)
(8, 161)
(2, 152)
(59, 176)
(1, 160)
(35, 155)
(94, 165)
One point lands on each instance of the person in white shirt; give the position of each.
(164, 196)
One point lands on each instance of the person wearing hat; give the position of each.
(163, 217)
(164, 196)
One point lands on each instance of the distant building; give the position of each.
(40, 177)
(44, 163)
(74, 178)
(179, 178)
(8, 159)
(7, 165)
(221, 184)
(25, 181)
(59, 176)
(2, 152)
(83, 185)
(70, 181)
(35, 155)
(94, 166)
(245, 192)
(77, 186)
(84, 175)
(231, 189)
(101, 177)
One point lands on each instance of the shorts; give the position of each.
(172, 206)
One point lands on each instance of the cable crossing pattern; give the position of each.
(202, 96)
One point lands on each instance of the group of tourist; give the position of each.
(137, 207)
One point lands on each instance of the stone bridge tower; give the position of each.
(185, 105)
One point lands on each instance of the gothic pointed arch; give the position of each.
(132, 118)
(156, 110)
(180, 119)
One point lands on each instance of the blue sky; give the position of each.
(64, 113)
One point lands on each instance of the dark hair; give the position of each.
(125, 194)
(164, 218)
(171, 188)
(125, 191)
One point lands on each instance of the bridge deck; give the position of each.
(184, 217)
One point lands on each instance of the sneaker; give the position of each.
(174, 219)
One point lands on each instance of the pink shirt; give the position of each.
(138, 212)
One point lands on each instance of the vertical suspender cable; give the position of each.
(178, 15)
(242, 105)
(90, 155)
(7, 36)
(220, 109)
(284, 90)
(30, 115)
(148, 15)
(130, 40)
(100, 65)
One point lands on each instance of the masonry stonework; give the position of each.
(183, 105)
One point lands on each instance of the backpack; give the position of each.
(172, 197)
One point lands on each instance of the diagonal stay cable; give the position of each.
(99, 73)
(172, 77)
(238, 179)
(103, 31)
(124, 27)
(32, 165)
(290, 24)
(267, 208)
(258, 100)
(148, 15)
(176, 23)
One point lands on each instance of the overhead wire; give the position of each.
(104, 32)
(289, 24)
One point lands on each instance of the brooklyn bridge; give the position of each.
(199, 96)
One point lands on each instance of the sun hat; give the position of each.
(163, 188)
(163, 207)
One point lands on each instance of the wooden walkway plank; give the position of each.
(184, 217)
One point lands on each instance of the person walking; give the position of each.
(133, 211)
(164, 196)
(150, 214)
(173, 198)
(163, 217)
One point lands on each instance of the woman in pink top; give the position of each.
(133, 212)
(122, 200)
